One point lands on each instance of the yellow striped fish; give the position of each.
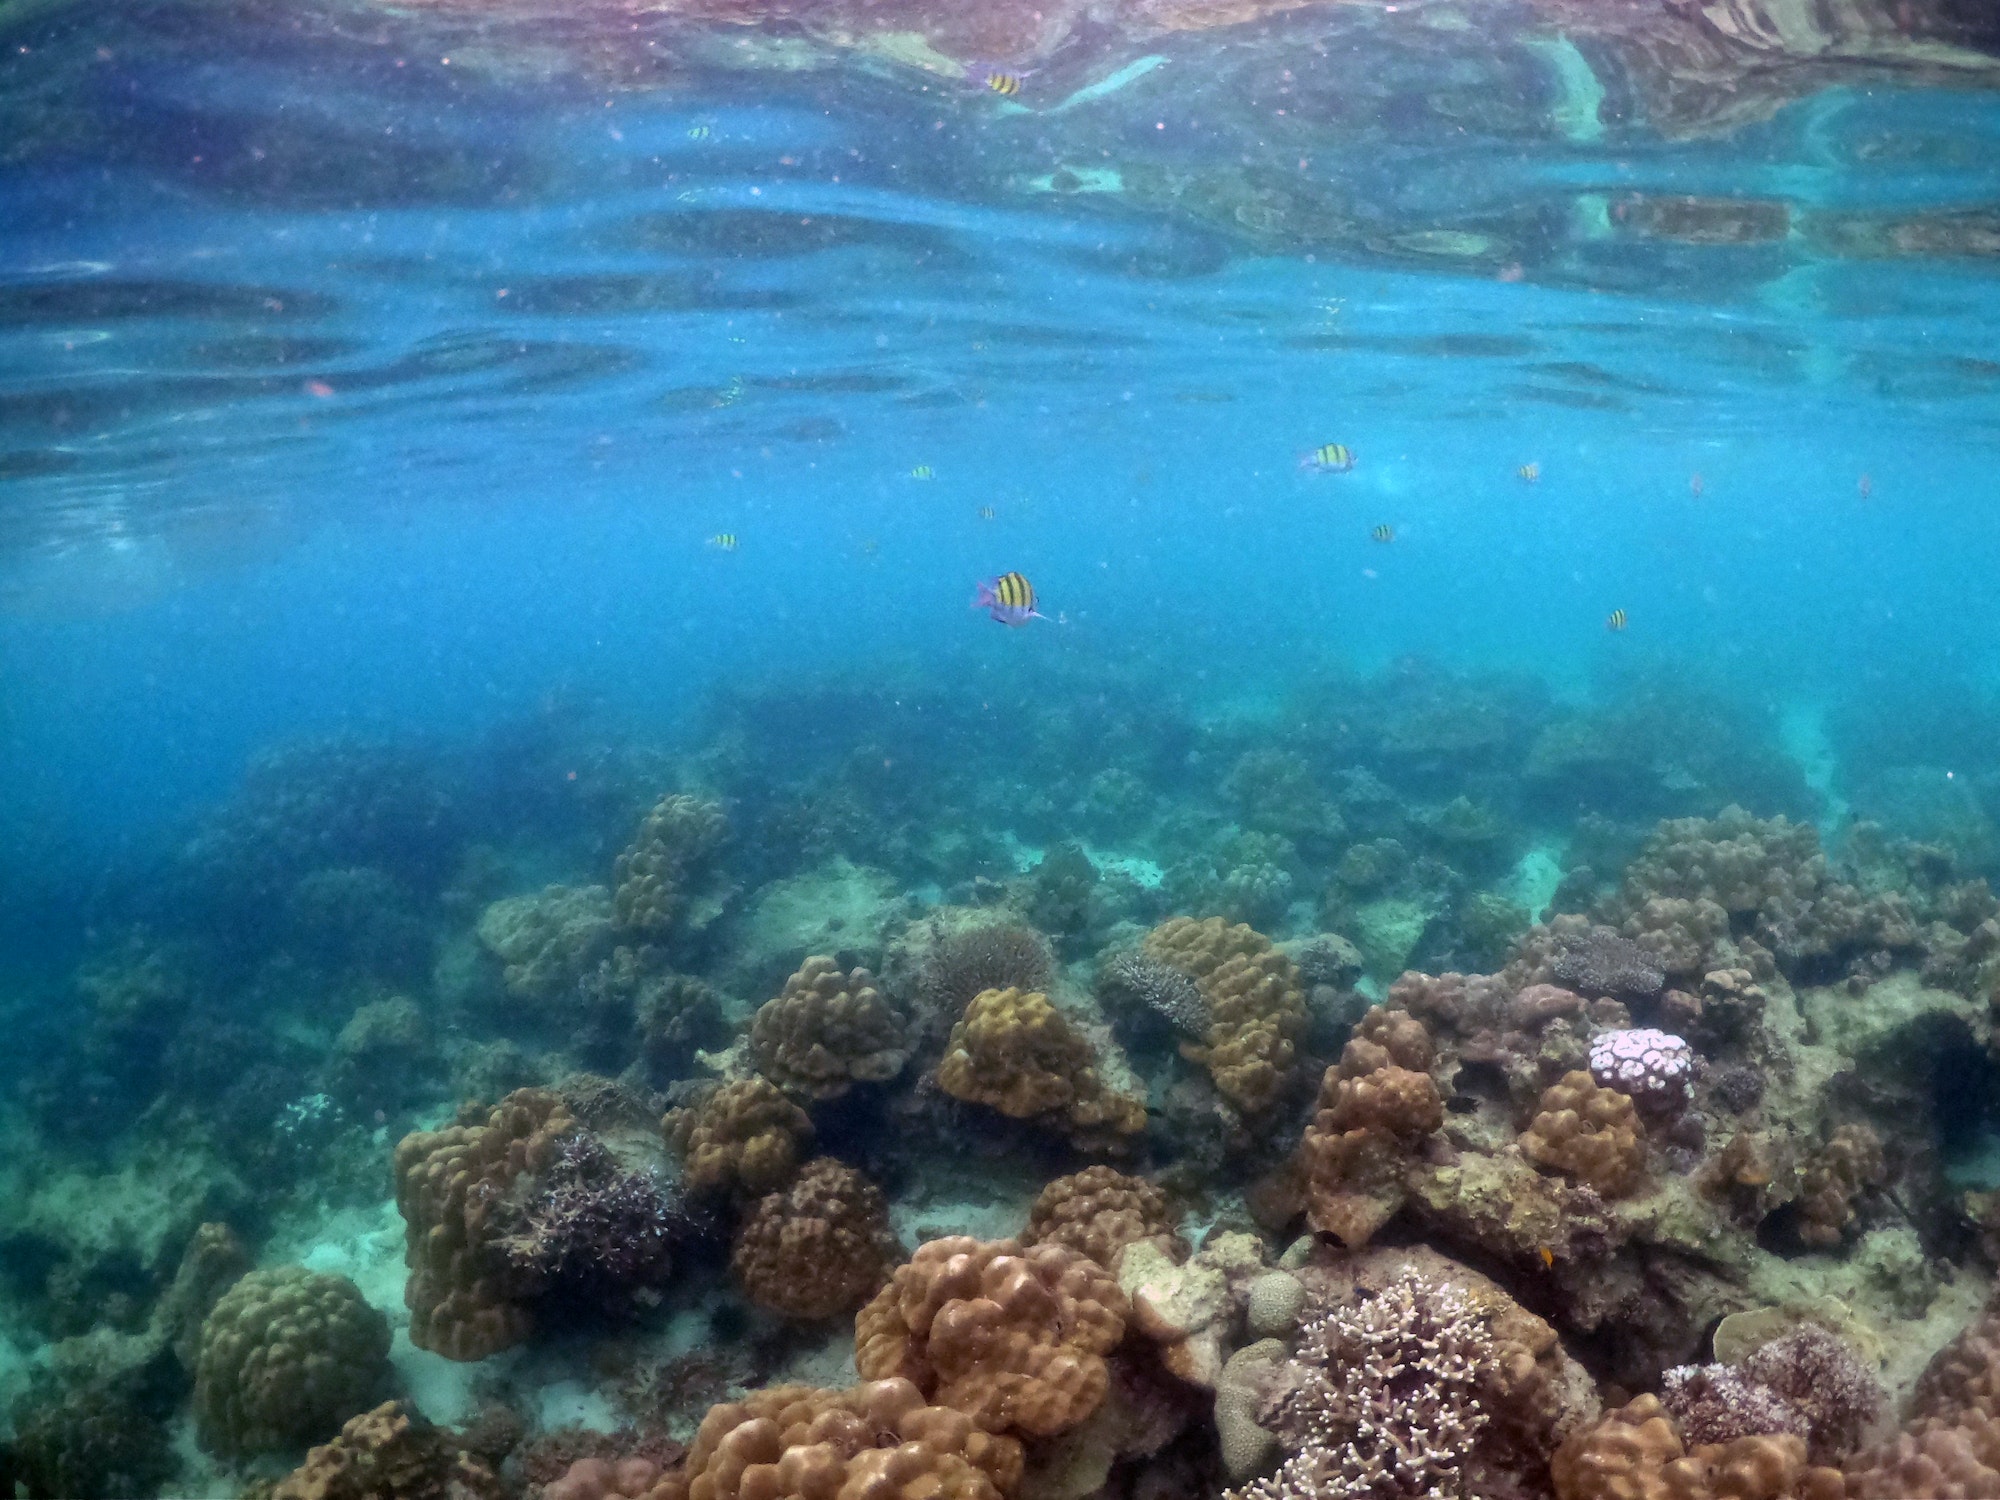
(923, 471)
(1616, 620)
(1004, 84)
(726, 540)
(1384, 533)
(1329, 458)
(1010, 599)
(699, 132)
(1529, 473)
(985, 512)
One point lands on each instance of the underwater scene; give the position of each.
(906, 750)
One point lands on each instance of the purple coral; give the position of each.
(1719, 1404)
(1654, 1067)
(1826, 1380)
(594, 1226)
(1600, 962)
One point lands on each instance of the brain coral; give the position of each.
(676, 836)
(878, 1441)
(1635, 1454)
(744, 1137)
(819, 1247)
(286, 1356)
(1015, 1052)
(1375, 1105)
(448, 1184)
(1099, 1211)
(388, 1453)
(1013, 1338)
(1590, 1133)
(1256, 1005)
(828, 1031)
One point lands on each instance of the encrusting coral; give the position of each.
(828, 1031)
(286, 1356)
(745, 1137)
(389, 1453)
(877, 1441)
(1375, 1105)
(1015, 1052)
(1015, 1338)
(1588, 1132)
(449, 1184)
(652, 896)
(819, 1247)
(1256, 1005)
(1099, 1211)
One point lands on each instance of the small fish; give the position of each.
(1548, 1257)
(1695, 485)
(870, 546)
(1010, 599)
(1617, 620)
(699, 132)
(1384, 533)
(1529, 473)
(985, 512)
(1867, 487)
(1006, 85)
(1329, 458)
(923, 471)
(726, 540)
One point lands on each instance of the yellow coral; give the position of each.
(1256, 1005)
(652, 873)
(1014, 1052)
(745, 1136)
(1635, 1454)
(1013, 1338)
(828, 1031)
(1099, 1211)
(818, 1248)
(448, 1182)
(1588, 1132)
(1374, 1109)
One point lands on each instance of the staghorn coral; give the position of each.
(1015, 1338)
(1256, 1005)
(1375, 1106)
(828, 1031)
(819, 1247)
(744, 1137)
(1381, 1401)
(591, 1228)
(1832, 1178)
(1635, 1454)
(449, 1184)
(654, 895)
(286, 1356)
(1132, 983)
(877, 1441)
(1099, 1211)
(389, 1453)
(1015, 1052)
(1651, 1067)
(1590, 1133)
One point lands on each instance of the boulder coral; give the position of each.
(390, 1452)
(658, 892)
(1635, 1453)
(1256, 1005)
(828, 1031)
(1375, 1106)
(817, 1248)
(1015, 1052)
(1099, 1211)
(744, 1137)
(1589, 1132)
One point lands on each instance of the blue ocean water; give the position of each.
(385, 379)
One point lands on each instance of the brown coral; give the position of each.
(1099, 1211)
(744, 1137)
(652, 874)
(1951, 1445)
(1256, 1005)
(1015, 1052)
(1635, 1454)
(828, 1031)
(1588, 1132)
(389, 1454)
(1013, 1338)
(818, 1248)
(448, 1184)
(1375, 1106)
(1833, 1178)
(878, 1441)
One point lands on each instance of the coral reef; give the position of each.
(1256, 1005)
(589, 1227)
(1015, 1052)
(1015, 1338)
(1832, 1178)
(286, 1356)
(1635, 1454)
(1589, 1132)
(743, 1137)
(390, 1453)
(1375, 1105)
(819, 1247)
(449, 1184)
(828, 1031)
(1099, 1211)
(660, 893)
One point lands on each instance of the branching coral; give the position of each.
(591, 1228)
(1099, 1211)
(828, 1031)
(449, 1185)
(878, 1441)
(286, 1356)
(655, 875)
(1824, 1380)
(963, 962)
(1132, 983)
(1014, 1338)
(1381, 1401)
(1375, 1106)
(1588, 1132)
(746, 1137)
(1256, 1005)
(818, 1248)
(1598, 961)
(1832, 1178)
(1015, 1052)
(389, 1453)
